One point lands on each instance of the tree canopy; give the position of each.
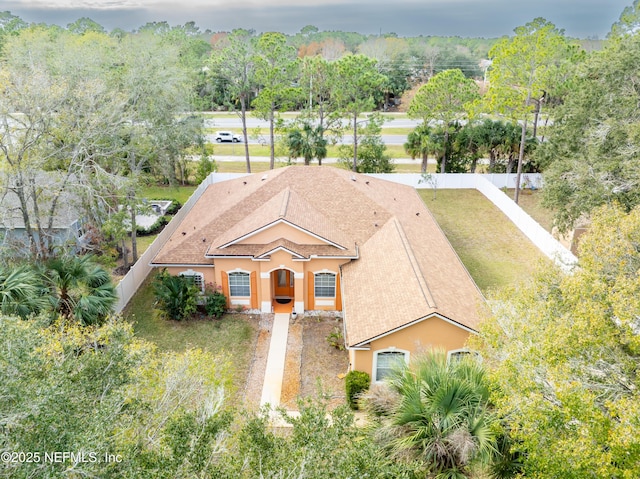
(564, 354)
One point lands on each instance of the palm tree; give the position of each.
(21, 292)
(441, 416)
(420, 144)
(79, 289)
(308, 142)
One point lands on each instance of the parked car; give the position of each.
(226, 136)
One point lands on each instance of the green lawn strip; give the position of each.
(179, 193)
(494, 251)
(144, 242)
(262, 166)
(387, 129)
(237, 149)
(286, 115)
(232, 336)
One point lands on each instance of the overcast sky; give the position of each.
(470, 18)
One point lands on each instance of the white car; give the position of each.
(226, 136)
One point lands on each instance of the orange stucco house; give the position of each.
(321, 238)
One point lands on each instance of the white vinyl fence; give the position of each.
(128, 286)
(488, 184)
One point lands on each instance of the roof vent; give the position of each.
(264, 177)
(353, 178)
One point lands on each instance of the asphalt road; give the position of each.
(234, 122)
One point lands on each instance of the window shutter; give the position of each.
(254, 290)
(310, 291)
(338, 293)
(225, 286)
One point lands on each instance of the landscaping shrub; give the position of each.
(174, 207)
(215, 302)
(355, 383)
(154, 228)
(336, 339)
(176, 296)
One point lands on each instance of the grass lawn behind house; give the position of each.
(233, 336)
(494, 251)
(179, 193)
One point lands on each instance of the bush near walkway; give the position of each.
(355, 383)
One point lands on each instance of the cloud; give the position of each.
(487, 18)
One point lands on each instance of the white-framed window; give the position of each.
(239, 284)
(384, 362)
(197, 278)
(458, 354)
(325, 285)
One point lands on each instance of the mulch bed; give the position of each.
(321, 363)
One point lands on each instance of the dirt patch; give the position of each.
(292, 366)
(255, 378)
(321, 363)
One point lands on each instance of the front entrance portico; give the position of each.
(282, 290)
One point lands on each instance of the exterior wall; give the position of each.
(430, 333)
(262, 280)
(281, 231)
(322, 266)
(208, 273)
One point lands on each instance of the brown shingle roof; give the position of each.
(406, 268)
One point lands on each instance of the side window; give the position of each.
(239, 284)
(197, 278)
(460, 354)
(325, 285)
(387, 361)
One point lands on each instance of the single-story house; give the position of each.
(322, 238)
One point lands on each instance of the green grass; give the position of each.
(262, 166)
(233, 334)
(144, 242)
(179, 193)
(494, 251)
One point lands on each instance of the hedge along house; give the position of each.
(321, 238)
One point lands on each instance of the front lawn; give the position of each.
(232, 336)
(493, 249)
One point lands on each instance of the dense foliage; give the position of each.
(564, 351)
(72, 288)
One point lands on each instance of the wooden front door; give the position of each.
(283, 283)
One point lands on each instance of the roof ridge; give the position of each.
(426, 292)
(285, 202)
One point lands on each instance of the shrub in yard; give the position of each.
(176, 296)
(156, 227)
(173, 207)
(356, 382)
(215, 302)
(336, 339)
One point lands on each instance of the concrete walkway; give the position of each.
(272, 386)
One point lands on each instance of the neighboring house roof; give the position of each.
(48, 183)
(403, 268)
